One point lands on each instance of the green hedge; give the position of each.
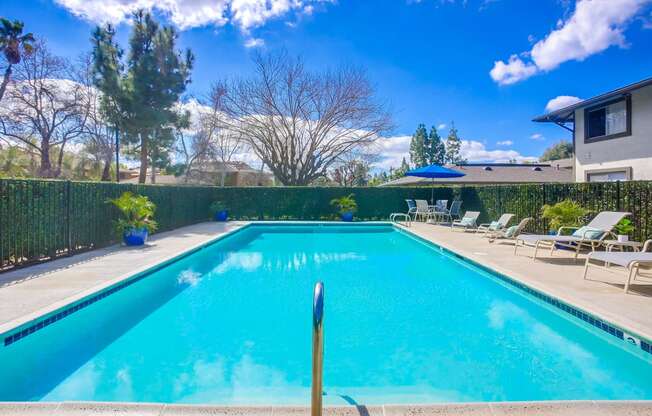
(41, 219)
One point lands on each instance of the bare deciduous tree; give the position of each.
(195, 146)
(44, 109)
(299, 123)
(227, 142)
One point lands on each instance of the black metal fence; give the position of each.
(43, 219)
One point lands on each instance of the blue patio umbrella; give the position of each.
(434, 171)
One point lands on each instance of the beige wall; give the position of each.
(633, 152)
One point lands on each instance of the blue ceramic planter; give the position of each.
(135, 237)
(347, 216)
(222, 215)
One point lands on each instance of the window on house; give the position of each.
(608, 121)
(620, 175)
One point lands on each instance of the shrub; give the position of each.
(566, 213)
(137, 213)
(345, 204)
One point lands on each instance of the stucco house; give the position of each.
(612, 134)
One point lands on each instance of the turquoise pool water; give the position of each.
(404, 322)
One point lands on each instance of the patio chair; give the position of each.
(406, 216)
(453, 212)
(509, 233)
(495, 225)
(423, 209)
(412, 207)
(632, 262)
(589, 236)
(468, 221)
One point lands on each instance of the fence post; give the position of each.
(618, 204)
(68, 228)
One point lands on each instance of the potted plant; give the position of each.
(346, 206)
(219, 211)
(623, 229)
(137, 218)
(566, 213)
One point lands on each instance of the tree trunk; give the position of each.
(106, 172)
(45, 170)
(222, 178)
(154, 158)
(144, 159)
(5, 82)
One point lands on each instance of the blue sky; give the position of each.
(489, 65)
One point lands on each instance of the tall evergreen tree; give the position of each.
(435, 149)
(143, 95)
(418, 147)
(453, 147)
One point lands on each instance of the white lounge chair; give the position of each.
(423, 210)
(589, 236)
(496, 225)
(632, 262)
(509, 233)
(468, 221)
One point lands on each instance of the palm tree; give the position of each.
(13, 44)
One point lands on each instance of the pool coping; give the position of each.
(575, 408)
(25, 325)
(509, 277)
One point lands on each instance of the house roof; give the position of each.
(566, 114)
(496, 173)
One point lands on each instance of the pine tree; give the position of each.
(146, 93)
(400, 172)
(453, 146)
(418, 147)
(435, 149)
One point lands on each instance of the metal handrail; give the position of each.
(317, 348)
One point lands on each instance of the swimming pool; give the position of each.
(405, 322)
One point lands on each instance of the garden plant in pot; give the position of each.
(346, 206)
(219, 211)
(137, 218)
(623, 229)
(564, 214)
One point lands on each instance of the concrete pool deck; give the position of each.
(562, 408)
(28, 293)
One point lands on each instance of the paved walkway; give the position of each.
(559, 276)
(565, 408)
(29, 292)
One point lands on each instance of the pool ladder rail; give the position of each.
(317, 349)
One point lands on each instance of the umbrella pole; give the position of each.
(432, 192)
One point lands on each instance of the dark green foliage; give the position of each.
(435, 149)
(453, 147)
(418, 147)
(41, 219)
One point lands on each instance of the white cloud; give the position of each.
(537, 136)
(186, 14)
(594, 26)
(513, 71)
(254, 43)
(505, 143)
(561, 102)
(475, 151)
(394, 149)
(442, 126)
